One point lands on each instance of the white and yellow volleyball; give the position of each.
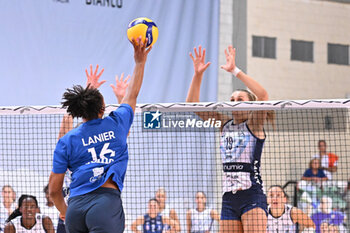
(145, 28)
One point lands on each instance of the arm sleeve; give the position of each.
(124, 115)
(60, 160)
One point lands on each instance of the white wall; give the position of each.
(318, 21)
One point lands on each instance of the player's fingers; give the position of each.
(145, 44)
(102, 82)
(200, 50)
(139, 43)
(230, 48)
(195, 52)
(127, 79)
(86, 72)
(121, 77)
(113, 87)
(101, 72)
(134, 42)
(226, 54)
(149, 49)
(90, 69)
(206, 65)
(117, 79)
(191, 56)
(203, 56)
(96, 70)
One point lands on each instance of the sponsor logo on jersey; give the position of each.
(97, 173)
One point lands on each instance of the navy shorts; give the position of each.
(98, 211)
(235, 205)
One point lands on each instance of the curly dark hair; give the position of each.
(83, 102)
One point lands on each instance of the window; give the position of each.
(302, 51)
(338, 54)
(264, 47)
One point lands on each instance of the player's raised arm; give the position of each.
(199, 66)
(66, 125)
(253, 85)
(257, 118)
(140, 57)
(120, 87)
(193, 94)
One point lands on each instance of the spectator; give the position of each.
(333, 228)
(200, 219)
(283, 217)
(324, 227)
(328, 160)
(7, 205)
(314, 173)
(164, 209)
(30, 220)
(326, 214)
(153, 221)
(49, 209)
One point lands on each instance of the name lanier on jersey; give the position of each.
(102, 137)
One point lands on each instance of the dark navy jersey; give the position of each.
(153, 225)
(95, 151)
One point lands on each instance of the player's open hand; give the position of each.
(140, 50)
(230, 59)
(92, 77)
(120, 87)
(199, 64)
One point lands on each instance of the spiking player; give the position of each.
(244, 206)
(98, 166)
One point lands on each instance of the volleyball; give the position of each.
(145, 28)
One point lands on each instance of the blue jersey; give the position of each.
(153, 225)
(320, 173)
(95, 151)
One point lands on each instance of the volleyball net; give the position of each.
(174, 150)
